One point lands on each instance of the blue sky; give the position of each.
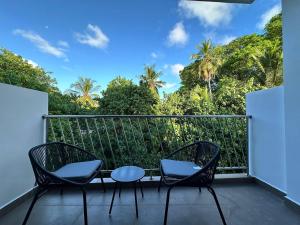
(103, 39)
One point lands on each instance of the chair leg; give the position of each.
(113, 198)
(84, 207)
(135, 199)
(200, 189)
(35, 198)
(211, 190)
(167, 206)
(61, 191)
(159, 185)
(120, 190)
(141, 186)
(103, 184)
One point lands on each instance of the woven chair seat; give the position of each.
(78, 170)
(178, 169)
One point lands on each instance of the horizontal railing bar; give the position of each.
(155, 169)
(232, 168)
(146, 116)
(218, 168)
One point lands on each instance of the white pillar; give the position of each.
(291, 54)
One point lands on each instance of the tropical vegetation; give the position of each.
(86, 91)
(215, 82)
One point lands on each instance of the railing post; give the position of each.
(45, 129)
(248, 135)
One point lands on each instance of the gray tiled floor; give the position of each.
(245, 204)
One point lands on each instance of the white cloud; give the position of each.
(267, 16)
(63, 44)
(169, 85)
(154, 55)
(176, 68)
(42, 44)
(208, 13)
(178, 35)
(227, 39)
(33, 63)
(93, 37)
(219, 39)
(166, 66)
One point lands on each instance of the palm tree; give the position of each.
(269, 63)
(86, 89)
(150, 79)
(208, 62)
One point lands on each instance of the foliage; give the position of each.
(150, 79)
(122, 96)
(269, 61)
(208, 62)
(249, 63)
(16, 70)
(86, 92)
(190, 78)
(60, 104)
(172, 104)
(238, 61)
(231, 95)
(199, 102)
(273, 29)
(196, 101)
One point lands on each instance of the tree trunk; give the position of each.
(209, 88)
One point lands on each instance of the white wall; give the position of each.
(267, 144)
(291, 61)
(21, 127)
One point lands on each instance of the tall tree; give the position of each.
(237, 59)
(208, 63)
(86, 90)
(16, 70)
(150, 78)
(270, 61)
(123, 97)
(273, 29)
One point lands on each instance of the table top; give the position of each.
(128, 174)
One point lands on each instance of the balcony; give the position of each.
(257, 180)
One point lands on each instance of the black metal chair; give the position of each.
(59, 165)
(193, 165)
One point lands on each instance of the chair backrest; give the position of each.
(205, 153)
(207, 157)
(47, 158)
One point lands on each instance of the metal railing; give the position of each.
(145, 139)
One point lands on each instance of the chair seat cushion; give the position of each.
(78, 170)
(178, 169)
